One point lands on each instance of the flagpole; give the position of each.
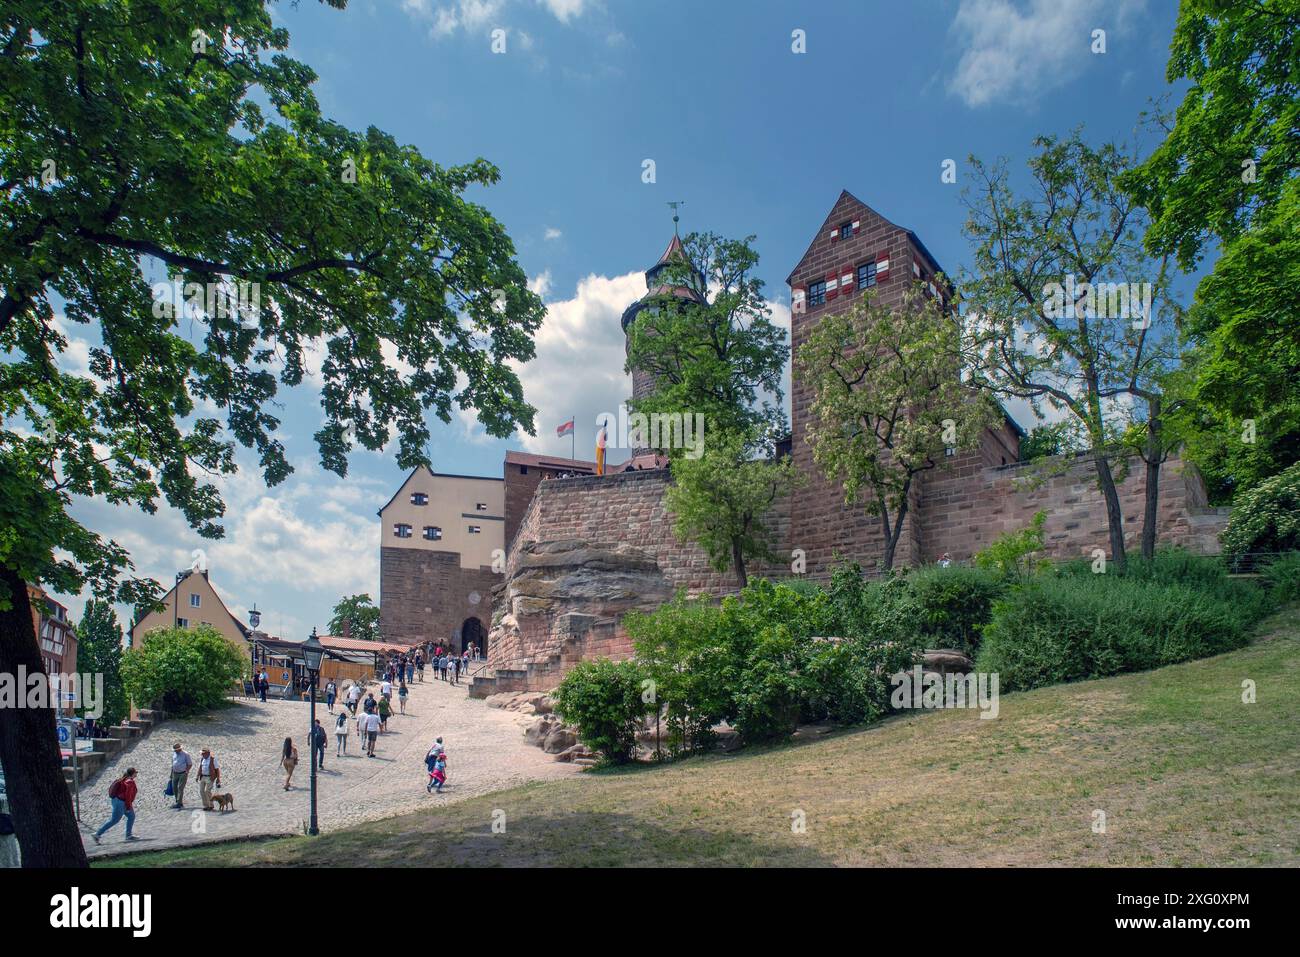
(573, 438)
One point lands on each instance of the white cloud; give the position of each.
(1015, 50)
(564, 10)
(541, 283)
(446, 18)
(552, 233)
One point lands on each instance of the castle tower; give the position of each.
(657, 284)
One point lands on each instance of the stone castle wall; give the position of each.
(427, 595)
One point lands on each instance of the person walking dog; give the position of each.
(209, 777)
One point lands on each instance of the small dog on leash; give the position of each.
(224, 801)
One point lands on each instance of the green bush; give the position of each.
(1283, 577)
(603, 699)
(1012, 555)
(682, 651)
(184, 672)
(1067, 628)
(953, 604)
(1266, 518)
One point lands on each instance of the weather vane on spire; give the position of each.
(676, 218)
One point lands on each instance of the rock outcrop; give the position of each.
(562, 601)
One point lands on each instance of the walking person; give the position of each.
(341, 734)
(181, 764)
(464, 661)
(384, 709)
(318, 741)
(288, 761)
(453, 668)
(331, 692)
(121, 797)
(401, 696)
(351, 698)
(370, 723)
(263, 682)
(209, 777)
(419, 664)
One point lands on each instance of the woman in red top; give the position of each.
(121, 794)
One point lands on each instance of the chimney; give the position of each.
(347, 627)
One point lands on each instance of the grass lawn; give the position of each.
(1185, 772)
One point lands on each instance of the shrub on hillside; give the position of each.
(1266, 518)
(682, 651)
(603, 699)
(182, 671)
(1283, 577)
(1176, 566)
(1067, 628)
(953, 604)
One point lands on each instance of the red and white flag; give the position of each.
(565, 429)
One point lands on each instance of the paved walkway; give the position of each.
(485, 752)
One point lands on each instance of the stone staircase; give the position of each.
(119, 739)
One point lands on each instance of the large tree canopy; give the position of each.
(1226, 173)
(148, 140)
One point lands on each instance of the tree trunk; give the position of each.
(738, 559)
(29, 749)
(1154, 453)
(1114, 516)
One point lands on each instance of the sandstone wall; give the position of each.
(427, 596)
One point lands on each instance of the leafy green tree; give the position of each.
(183, 671)
(1225, 175)
(888, 402)
(1051, 302)
(99, 652)
(723, 501)
(140, 145)
(718, 353)
(1053, 438)
(360, 616)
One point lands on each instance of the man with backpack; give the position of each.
(121, 795)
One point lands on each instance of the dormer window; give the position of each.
(419, 498)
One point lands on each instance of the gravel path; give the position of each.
(485, 752)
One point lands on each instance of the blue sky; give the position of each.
(755, 138)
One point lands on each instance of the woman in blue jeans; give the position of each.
(121, 794)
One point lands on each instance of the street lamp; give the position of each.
(312, 652)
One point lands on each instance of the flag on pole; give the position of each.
(565, 429)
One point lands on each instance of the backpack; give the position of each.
(115, 789)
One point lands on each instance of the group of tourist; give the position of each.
(369, 714)
(122, 792)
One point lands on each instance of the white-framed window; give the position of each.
(480, 506)
(475, 529)
(402, 530)
(433, 533)
(419, 498)
(195, 601)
